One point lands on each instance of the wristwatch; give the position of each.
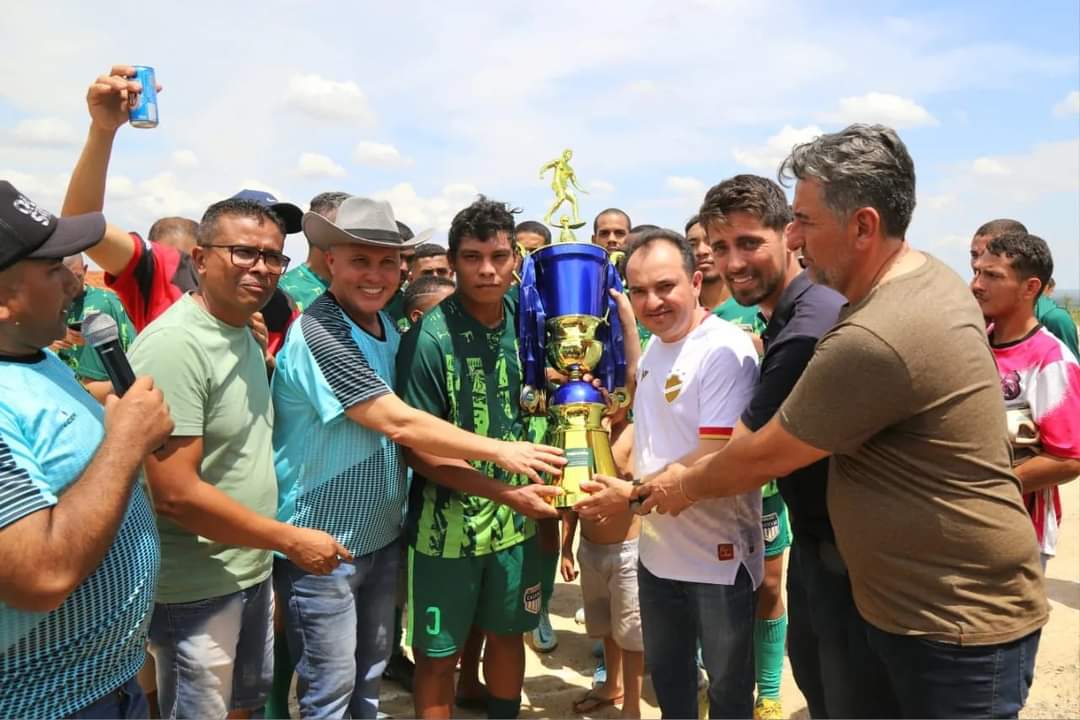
(635, 503)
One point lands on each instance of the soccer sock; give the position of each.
(277, 705)
(769, 637)
(503, 708)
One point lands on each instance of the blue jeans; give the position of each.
(127, 702)
(340, 629)
(214, 655)
(838, 674)
(934, 679)
(675, 617)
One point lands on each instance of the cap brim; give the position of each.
(71, 237)
(292, 215)
(324, 235)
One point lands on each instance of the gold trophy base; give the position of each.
(578, 430)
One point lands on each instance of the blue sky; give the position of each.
(426, 104)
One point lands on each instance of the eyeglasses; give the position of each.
(245, 256)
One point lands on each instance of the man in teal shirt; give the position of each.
(305, 283)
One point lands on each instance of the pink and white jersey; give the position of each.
(1041, 378)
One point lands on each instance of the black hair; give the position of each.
(609, 211)
(647, 237)
(421, 286)
(482, 220)
(234, 207)
(536, 228)
(1028, 255)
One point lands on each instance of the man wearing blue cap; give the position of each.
(78, 548)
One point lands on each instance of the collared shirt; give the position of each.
(803, 314)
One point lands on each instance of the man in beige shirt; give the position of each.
(903, 397)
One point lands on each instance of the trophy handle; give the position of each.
(530, 328)
(612, 370)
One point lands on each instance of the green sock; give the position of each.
(503, 708)
(277, 705)
(769, 637)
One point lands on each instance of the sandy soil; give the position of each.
(554, 680)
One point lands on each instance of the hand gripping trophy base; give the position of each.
(580, 432)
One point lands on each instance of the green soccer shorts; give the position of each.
(774, 525)
(500, 592)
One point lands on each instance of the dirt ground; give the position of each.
(554, 680)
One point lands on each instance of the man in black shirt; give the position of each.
(744, 218)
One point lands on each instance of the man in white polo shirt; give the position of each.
(698, 571)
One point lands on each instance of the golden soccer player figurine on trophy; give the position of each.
(567, 320)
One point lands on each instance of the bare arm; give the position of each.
(414, 428)
(107, 101)
(47, 554)
(566, 554)
(529, 500)
(181, 495)
(748, 462)
(1046, 470)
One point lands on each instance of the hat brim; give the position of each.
(324, 235)
(291, 215)
(71, 236)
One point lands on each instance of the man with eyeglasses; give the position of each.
(213, 484)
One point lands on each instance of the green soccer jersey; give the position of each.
(303, 286)
(469, 375)
(745, 317)
(83, 359)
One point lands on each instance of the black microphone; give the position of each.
(101, 333)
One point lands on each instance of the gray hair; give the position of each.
(860, 166)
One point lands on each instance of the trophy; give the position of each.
(569, 322)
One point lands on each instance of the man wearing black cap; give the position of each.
(78, 549)
(149, 276)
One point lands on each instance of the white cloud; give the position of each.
(1070, 105)
(185, 159)
(379, 155)
(316, 165)
(767, 158)
(45, 131)
(875, 107)
(685, 185)
(420, 212)
(989, 166)
(602, 187)
(331, 100)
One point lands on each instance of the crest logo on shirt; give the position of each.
(673, 386)
(1010, 385)
(532, 599)
(770, 526)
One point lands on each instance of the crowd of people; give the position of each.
(320, 465)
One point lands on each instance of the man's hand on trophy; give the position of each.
(665, 492)
(532, 500)
(608, 497)
(631, 339)
(530, 459)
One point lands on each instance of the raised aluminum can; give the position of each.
(145, 113)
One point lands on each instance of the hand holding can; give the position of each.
(144, 109)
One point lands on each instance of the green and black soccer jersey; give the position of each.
(457, 369)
